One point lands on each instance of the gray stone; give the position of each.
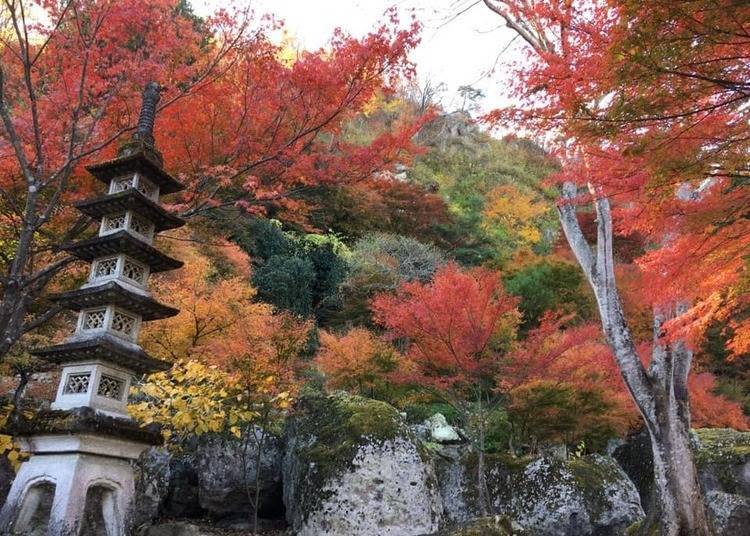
(730, 513)
(211, 476)
(227, 468)
(589, 495)
(7, 475)
(547, 496)
(353, 468)
(152, 476)
(171, 529)
(723, 459)
(441, 431)
(486, 526)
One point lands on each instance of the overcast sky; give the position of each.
(458, 51)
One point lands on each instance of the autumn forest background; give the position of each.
(348, 231)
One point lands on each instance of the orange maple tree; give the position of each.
(458, 327)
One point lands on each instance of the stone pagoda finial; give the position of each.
(143, 137)
(150, 98)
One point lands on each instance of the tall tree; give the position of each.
(650, 103)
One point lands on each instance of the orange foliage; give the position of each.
(709, 410)
(357, 360)
(219, 323)
(458, 325)
(575, 357)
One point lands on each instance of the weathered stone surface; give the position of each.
(152, 476)
(210, 476)
(730, 513)
(353, 468)
(723, 458)
(171, 529)
(6, 478)
(441, 431)
(583, 496)
(486, 526)
(227, 468)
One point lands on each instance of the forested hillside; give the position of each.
(372, 277)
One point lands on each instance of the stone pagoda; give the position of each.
(79, 479)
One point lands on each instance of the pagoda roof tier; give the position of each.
(82, 420)
(103, 348)
(122, 242)
(141, 161)
(115, 294)
(130, 199)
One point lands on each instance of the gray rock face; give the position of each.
(352, 468)
(171, 529)
(227, 469)
(7, 475)
(729, 513)
(591, 495)
(211, 476)
(723, 458)
(586, 496)
(152, 479)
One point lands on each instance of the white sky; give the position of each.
(462, 51)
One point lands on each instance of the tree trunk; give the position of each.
(660, 393)
(678, 508)
(482, 490)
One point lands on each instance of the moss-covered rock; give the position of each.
(583, 496)
(352, 467)
(723, 458)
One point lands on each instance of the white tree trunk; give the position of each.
(660, 393)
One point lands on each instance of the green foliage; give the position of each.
(550, 286)
(555, 412)
(499, 431)
(296, 273)
(466, 174)
(286, 283)
(380, 262)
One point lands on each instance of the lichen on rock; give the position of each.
(547, 496)
(353, 467)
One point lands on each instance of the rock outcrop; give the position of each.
(546, 496)
(211, 476)
(6, 478)
(352, 467)
(723, 459)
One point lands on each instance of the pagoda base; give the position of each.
(73, 485)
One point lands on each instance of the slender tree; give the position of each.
(648, 102)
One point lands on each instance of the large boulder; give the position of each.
(228, 469)
(729, 513)
(486, 526)
(353, 468)
(546, 496)
(723, 459)
(152, 480)
(210, 476)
